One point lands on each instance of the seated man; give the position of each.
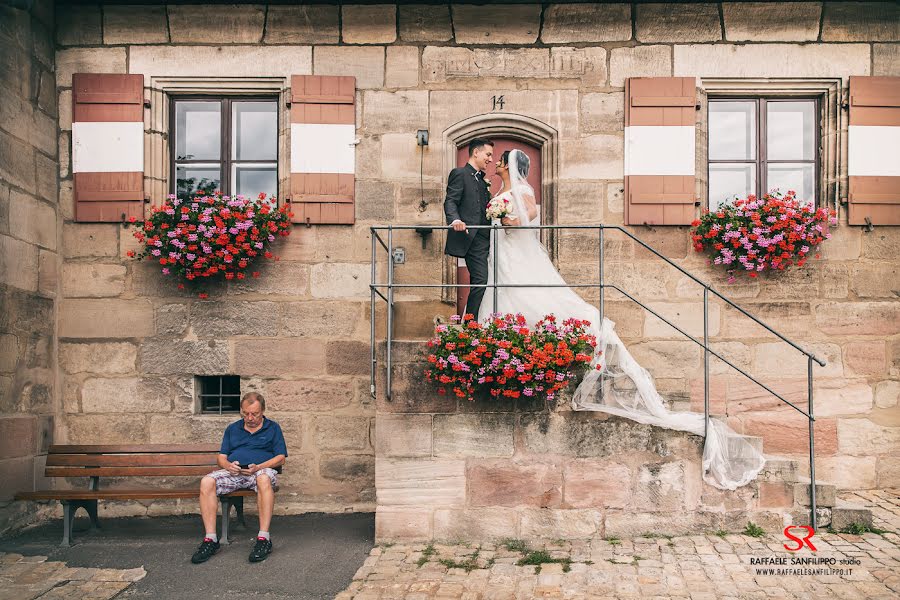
(252, 448)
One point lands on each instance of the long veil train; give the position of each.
(621, 386)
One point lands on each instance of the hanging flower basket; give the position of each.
(755, 235)
(211, 237)
(504, 357)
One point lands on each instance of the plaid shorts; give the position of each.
(227, 483)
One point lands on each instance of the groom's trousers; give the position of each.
(477, 263)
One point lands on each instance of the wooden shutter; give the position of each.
(108, 146)
(873, 149)
(660, 116)
(323, 149)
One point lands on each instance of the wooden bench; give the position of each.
(137, 460)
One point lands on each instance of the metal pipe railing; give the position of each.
(375, 288)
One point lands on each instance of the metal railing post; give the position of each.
(705, 362)
(600, 324)
(813, 517)
(494, 246)
(390, 309)
(373, 367)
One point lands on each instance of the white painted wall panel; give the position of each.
(659, 150)
(873, 150)
(107, 147)
(322, 148)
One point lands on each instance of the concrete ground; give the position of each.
(314, 557)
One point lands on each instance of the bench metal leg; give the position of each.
(68, 517)
(91, 507)
(238, 502)
(226, 516)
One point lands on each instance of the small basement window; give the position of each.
(219, 394)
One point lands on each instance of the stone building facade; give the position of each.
(111, 351)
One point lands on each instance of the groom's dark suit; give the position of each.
(467, 200)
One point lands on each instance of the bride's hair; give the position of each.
(522, 164)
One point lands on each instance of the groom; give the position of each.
(466, 204)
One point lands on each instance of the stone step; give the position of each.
(826, 494)
(844, 513)
(779, 468)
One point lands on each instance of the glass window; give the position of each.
(761, 145)
(219, 394)
(225, 144)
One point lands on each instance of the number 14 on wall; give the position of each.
(498, 102)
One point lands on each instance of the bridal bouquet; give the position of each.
(504, 357)
(210, 236)
(498, 208)
(766, 234)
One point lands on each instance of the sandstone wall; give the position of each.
(29, 256)
(300, 333)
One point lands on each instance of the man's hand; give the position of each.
(233, 468)
(509, 221)
(250, 470)
(459, 226)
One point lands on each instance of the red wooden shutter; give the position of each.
(323, 148)
(659, 150)
(108, 146)
(873, 151)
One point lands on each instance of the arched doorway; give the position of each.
(538, 139)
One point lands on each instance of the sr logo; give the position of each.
(800, 541)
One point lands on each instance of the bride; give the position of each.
(621, 386)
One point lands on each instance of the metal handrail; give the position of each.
(375, 288)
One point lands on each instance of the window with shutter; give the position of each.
(108, 146)
(659, 150)
(873, 147)
(323, 148)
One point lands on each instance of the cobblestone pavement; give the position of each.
(28, 577)
(699, 567)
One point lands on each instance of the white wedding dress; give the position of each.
(621, 387)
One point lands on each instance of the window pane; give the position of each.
(792, 176)
(255, 130)
(190, 179)
(791, 130)
(250, 180)
(729, 180)
(198, 130)
(732, 130)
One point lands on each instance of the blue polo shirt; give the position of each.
(265, 443)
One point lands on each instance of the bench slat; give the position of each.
(131, 460)
(133, 448)
(124, 494)
(126, 471)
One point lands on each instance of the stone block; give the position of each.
(25, 313)
(592, 483)
(78, 25)
(364, 63)
(225, 319)
(858, 318)
(411, 393)
(47, 174)
(780, 358)
(886, 60)
(771, 21)
(880, 245)
(320, 318)
(776, 494)
(686, 315)
(375, 201)
(90, 240)
(745, 395)
(603, 113)
(18, 436)
(9, 352)
(474, 524)
(220, 61)
(862, 437)
(349, 467)
(669, 358)
(171, 319)
(792, 318)
(638, 61)
(402, 67)
(19, 476)
(124, 395)
(369, 24)
(848, 472)
(135, 25)
(787, 432)
(32, 220)
(399, 436)
(589, 434)
(567, 23)
(170, 357)
(121, 429)
(665, 22)
(347, 358)
(888, 473)
(65, 155)
(417, 482)
(404, 524)
(308, 395)
(887, 394)
(661, 486)
(302, 25)
(825, 494)
(92, 280)
(89, 60)
(771, 60)
(593, 157)
(17, 162)
(585, 64)
(880, 280)
(477, 435)
(571, 524)
(865, 358)
(112, 318)
(102, 358)
(385, 112)
(216, 24)
(507, 483)
(279, 357)
(861, 22)
(18, 264)
(425, 23)
(280, 278)
(340, 280)
(496, 24)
